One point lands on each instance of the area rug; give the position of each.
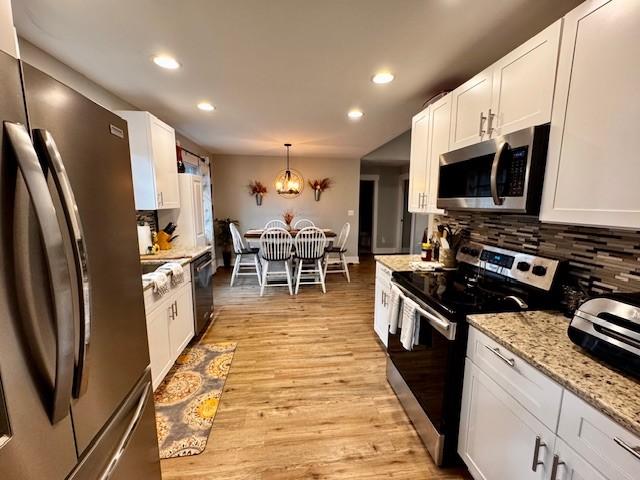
(187, 399)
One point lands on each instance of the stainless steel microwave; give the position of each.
(501, 174)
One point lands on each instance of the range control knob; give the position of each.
(539, 270)
(523, 266)
(465, 250)
(474, 252)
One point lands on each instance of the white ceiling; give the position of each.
(282, 70)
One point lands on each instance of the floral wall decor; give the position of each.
(319, 186)
(258, 189)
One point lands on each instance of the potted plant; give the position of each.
(224, 240)
(288, 217)
(320, 186)
(258, 189)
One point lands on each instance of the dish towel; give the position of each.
(159, 280)
(410, 330)
(394, 311)
(175, 270)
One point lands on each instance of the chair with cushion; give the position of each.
(310, 243)
(247, 262)
(303, 223)
(336, 254)
(276, 245)
(275, 224)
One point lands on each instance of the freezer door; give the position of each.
(31, 444)
(127, 448)
(92, 145)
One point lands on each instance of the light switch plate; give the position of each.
(351, 213)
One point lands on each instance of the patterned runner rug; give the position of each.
(187, 399)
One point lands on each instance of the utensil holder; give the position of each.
(163, 241)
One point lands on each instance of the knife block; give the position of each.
(163, 240)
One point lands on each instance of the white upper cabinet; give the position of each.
(523, 83)
(514, 93)
(8, 41)
(418, 162)
(592, 166)
(153, 161)
(439, 126)
(470, 104)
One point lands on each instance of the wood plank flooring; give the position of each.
(306, 396)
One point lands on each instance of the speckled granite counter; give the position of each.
(176, 253)
(540, 338)
(397, 263)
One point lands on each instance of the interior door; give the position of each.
(31, 445)
(470, 104)
(198, 211)
(163, 142)
(98, 168)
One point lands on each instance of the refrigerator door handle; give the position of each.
(47, 150)
(56, 260)
(128, 434)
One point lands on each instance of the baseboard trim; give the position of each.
(353, 260)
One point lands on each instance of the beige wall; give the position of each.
(232, 173)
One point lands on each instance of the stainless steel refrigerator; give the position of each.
(75, 390)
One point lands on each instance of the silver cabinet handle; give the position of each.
(554, 467)
(161, 199)
(536, 454)
(482, 131)
(176, 307)
(490, 127)
(171, 312)
(128, 434)
(46, 148)
(635, 451)
(495, 166)
(57, 264)
(204, 265)
(496, 351)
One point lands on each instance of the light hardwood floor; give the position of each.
(306, 396)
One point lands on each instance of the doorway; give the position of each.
(405, 218)
(366, 218)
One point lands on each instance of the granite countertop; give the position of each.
(540, 338)
(397, 263)
(176, 253)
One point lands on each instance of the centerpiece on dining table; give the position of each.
(288, 217)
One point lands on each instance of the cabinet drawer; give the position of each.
(152, 301)
(593, 435)
(382, 271)
(540, 395)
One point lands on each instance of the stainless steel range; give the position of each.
(428, 379)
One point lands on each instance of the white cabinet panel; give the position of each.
(418, 162)
(382, 303)
(163, 140)
(470, 104)
(523, 83)
(439, 127)
(159, 345)
(572, 466)
(497, 435)
(592, 169)
(181, 326)
(8, 38)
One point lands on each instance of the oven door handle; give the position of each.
(495, 166)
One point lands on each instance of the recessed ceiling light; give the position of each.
(165, 61)
(355, 114)
(206, 106)
(382, 78)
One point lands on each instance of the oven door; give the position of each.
(495, 174)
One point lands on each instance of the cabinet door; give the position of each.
(497, 435)
(198, 212)
(523, 83)
(470, 104)
(159, 344)
(592, 169)
(181, 327)
(163, 144)
(439, 127)
(572, 466)
(381, 313)
(418, 162)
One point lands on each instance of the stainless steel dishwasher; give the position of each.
(202, 284)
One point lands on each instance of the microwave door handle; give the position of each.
(495, 167)
(48, 151)
(57, 265)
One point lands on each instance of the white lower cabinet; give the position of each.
(500, 426)
(170, 327)
(382, 303)
(497, 435)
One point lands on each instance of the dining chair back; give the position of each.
(246, 262)
(303, 223)
(341, 241)
(311, 243)
(275, 224)
(276, 246)
(336, 254)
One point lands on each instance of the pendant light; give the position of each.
(289, 182)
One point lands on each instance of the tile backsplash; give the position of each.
(602, 260)
(148, 216)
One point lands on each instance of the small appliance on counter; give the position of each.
(145, 243)
(608, 327)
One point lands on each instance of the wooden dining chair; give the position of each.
(303, 223)
(244, 253)
(310, 243)
(338, 250)
(275, 224)
(276, 246)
